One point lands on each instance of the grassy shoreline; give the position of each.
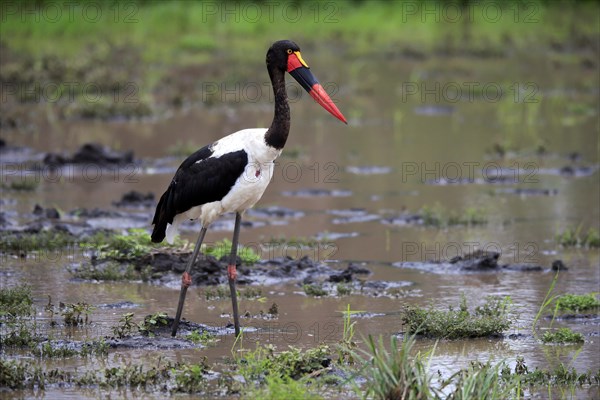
(102, 60)
(197, 32)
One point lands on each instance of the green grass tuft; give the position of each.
(578, 302)
(16, 301)
(439, 216)
(491, 319)
(223, 248)
(562, 336)
(314, 290)
(396, 374)
(574, 237)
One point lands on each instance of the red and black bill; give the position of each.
(299, 70)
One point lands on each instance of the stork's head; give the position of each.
(285, 55)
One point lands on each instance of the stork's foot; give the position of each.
(231, 272)
(186, 280)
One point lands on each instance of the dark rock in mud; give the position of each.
(357, 269)
(518, 336)
(55, 159)
(95, 153)
(403, 220)
(478, 260)
(574, 170)
(347, 275)
(136, 199)
(558, 265)
(50, 213)
(91, 153)
(523, 267)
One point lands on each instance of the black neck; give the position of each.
(277, 134)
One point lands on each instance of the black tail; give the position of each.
(162, 216)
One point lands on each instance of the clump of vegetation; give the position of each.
(343, 289)
(132, 245)
(15, 301)
(20, 334)
(490, 319)
(23, 185)
(190, 377)
(203, 338)
(152, 322)
(223, 248)
(293, 363)
(29, 242)
(481, 381)
(125, 327)
(72, 313)
(346, 346)
(439, 216)
(578, 302)
(574, 237)
(314, 290)
(223, 292)
(273, 310)
(111, 271)
(396, 374)
(177, 377)
(560, 376)
(562, 336)
(283, 387)
(52, 349)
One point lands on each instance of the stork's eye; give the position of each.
(289, 51)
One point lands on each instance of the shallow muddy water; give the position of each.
(408, 144)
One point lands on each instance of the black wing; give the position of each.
(196, 183)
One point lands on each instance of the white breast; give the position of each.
(248, 188)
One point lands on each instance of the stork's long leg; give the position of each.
(186, 280)
(232, 272)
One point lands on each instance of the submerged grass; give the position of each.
(490, 319)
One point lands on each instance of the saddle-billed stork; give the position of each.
(231, 174)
